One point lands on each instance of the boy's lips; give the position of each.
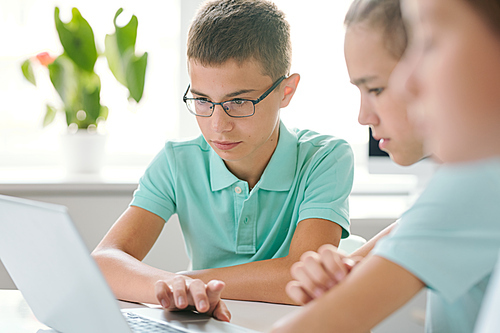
(225, 145)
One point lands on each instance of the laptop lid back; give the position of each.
(51, 266)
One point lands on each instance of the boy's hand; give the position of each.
(184, 293)
(317, 272)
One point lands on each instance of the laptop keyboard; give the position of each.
(140, 324)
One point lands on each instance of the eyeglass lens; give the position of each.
(233, 108)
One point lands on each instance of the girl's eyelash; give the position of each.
(376, 91)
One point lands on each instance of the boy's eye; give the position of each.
(376, 91)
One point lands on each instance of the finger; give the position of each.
(333, 263)
(318, 274)
(351, 262)
(221, 312)
(296, 293)
(311, 274)
(299, 273)
(329, 250)
(214, 290)
(179, 289)
(163, 294)
(198, 293)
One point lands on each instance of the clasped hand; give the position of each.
(185, 293)
(317, 272)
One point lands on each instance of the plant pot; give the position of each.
(83, 151)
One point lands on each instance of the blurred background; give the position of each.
(325, 101)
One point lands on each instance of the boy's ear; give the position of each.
(291, 84)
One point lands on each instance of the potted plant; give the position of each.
(78, 86)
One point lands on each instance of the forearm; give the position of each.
(374, 289)
(256, 281)
(266, 280)
(366, 248)
(129, 278)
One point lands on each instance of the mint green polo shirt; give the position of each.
(450, 240)
(223, 223)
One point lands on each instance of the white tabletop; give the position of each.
(16, 316)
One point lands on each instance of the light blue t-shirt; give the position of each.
(225, 224)
(450, 239)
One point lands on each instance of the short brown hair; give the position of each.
(385, 15)
(241, 30)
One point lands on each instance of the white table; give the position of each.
(16, 316)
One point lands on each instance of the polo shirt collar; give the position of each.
(280, 172)
(278, 175)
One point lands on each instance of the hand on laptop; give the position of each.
(184, 293)
(317, 272)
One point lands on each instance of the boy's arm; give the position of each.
(120, 254)
(266, 280)
(371, 292)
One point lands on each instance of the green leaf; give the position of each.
(136, 75)
(104, 112)
(77, 39)
(28, 71)
(90, 94)
(114, 59)
(78, 89)
(127, 68)
(126, 36)
(117, 44)
(63, 74)
(50, 115)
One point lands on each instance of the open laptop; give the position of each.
(52, 267)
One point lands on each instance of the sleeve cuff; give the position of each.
(326, 214)
(152, 207)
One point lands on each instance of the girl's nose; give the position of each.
(367, 113)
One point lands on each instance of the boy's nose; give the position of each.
(221, 122)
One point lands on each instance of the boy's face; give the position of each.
(238, 141)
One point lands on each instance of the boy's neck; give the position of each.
(251, 168)
(246, 172)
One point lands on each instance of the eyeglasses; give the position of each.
(236, 108)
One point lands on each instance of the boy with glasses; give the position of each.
(250, 194)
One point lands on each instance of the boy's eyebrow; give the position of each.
(230, 95)
(364, 80)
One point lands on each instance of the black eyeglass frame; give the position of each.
(253, 101)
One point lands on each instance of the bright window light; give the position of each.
(325, 101)
(137, 132)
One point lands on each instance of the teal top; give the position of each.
(450, 240)
(488, 320)
(223, 223)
